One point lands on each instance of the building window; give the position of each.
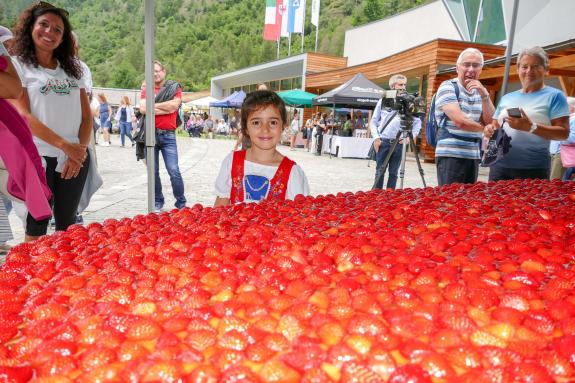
(285, 84)
(296, 83)
(478, 20)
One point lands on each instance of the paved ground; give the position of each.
(124, 193)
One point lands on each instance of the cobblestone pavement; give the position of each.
(124, 193)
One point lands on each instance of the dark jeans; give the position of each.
(319, 140)
(126, 130)
(392, 166)
(451, 170)
(65, 198)
(166, 143)
(500, 173)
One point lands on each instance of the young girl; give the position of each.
(260, 172)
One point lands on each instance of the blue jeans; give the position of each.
(125, 130)
(393, 164)
(166, 143)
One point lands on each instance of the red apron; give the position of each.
(278, 184)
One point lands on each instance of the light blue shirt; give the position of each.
(555, 146)
(379, 119)
(529, 151)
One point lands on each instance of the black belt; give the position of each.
(165, 131)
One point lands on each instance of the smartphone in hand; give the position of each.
(514, 112)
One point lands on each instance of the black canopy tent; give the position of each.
(358, 92)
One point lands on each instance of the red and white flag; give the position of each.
(273, 20)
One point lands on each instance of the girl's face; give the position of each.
(48, 32)
(264, 127)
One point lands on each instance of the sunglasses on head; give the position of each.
(46, 5)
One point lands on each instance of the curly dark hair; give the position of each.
(260, 99)
(24, 47)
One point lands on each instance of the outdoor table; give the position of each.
(346, 147)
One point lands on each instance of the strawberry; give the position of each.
(130, 351)
(201, 339)
(238, 374)
(409, 373)
(277, 371)
(259, 352)
(358, 373)
(19, 374)
(556, 365)
(204, 374)
(234, 340)
(143, 329)
(96, 357)
(54, 365)
(529, 372)
(162, 372)
(305, 358)
(224, 359)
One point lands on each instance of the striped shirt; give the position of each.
(471, 105)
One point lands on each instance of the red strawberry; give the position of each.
(277, 371)
(96, 357)
(201, 339)
(204, 374)
(20, 374)
(529, 372)
(259, 352)
(305, 358)
(143, 329)
(358, 373)
(409, 373)
(556, 365)
(234, 340)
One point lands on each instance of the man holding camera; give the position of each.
(384, 126)
(467, 109)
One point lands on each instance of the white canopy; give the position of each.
(202, 103)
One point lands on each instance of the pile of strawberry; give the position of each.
(455, 284)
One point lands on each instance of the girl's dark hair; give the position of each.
(258, 100)
(24, 48)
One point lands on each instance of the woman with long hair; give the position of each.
(55, 103)
(124, 116)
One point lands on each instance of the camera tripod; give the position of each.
(405, 132)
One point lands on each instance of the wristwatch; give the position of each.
(533, 128)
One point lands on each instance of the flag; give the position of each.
(315, 12)
(283, 11)
(296, 16)
(272, 22)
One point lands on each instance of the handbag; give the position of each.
(567, 155)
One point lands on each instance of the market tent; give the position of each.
(297, 97)
(358, 92)
(202, 103)
(234, 100)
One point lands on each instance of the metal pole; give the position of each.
(303, 28)
(509, 50)
(278, 55)
(316, 29)
(289, 44)
(150, 115)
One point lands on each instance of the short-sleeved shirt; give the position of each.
(529, 151)
(471, 105)
(164, 121)
(50, 92)
(257, 179)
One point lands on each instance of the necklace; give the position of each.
(252, 188)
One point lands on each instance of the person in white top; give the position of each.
(293, 130)
(55, 103)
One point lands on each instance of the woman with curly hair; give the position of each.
(55, 103)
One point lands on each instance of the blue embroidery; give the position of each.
(255, 187)
(59, 86)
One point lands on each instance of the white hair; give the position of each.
(393, 79)
(537, 52)
(571, 101)
(469, 51)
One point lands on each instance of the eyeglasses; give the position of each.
(46, 5)
(471, 65)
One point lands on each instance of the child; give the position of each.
(261, 171)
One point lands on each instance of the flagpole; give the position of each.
(303, 28)
(316, 30)
(278, 54)
(289, 44)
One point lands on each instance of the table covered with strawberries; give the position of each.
(459, 283)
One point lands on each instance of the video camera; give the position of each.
(409, 105)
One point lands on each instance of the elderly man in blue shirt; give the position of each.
(557, 169)
(385, 136)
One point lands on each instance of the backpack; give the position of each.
(431, 126)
